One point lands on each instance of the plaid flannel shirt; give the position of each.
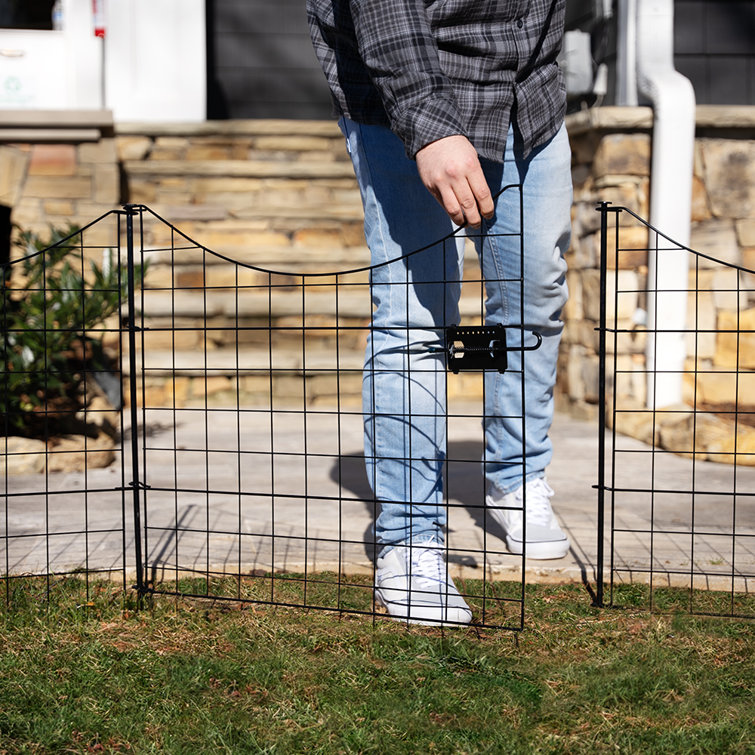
(434, 68)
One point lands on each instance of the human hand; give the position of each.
(451, 171)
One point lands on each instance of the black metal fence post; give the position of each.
(131, 211)
(603, 209)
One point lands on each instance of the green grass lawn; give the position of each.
(94, 675)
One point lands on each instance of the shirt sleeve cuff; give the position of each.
(426, 122)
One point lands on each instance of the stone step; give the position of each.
(225, 378)
(275, 206)
(295, 259)
(226, 169)
(217, 266)
(227, 361)
(276, 195)
(236, 140)
(231, 128)
(258, 304)
(240, 140)
(254, 304)
(250, 197)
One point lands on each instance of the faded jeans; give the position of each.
(416, 296)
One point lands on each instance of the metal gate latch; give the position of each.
(480, 347)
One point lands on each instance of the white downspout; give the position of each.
(626, 54)
(673, 100)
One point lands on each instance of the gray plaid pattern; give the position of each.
(433, 68)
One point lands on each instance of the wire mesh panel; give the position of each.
(255, 480)
(64, 499)
(677, 476)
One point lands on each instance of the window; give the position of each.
(26, 14)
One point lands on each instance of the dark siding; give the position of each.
(261, 63)
(714, 46)
(26, 14)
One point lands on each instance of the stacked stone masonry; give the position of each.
(57, 168)
(611, 152)
(281, 195)
(277, 195)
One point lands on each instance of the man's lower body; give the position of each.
(415, 297)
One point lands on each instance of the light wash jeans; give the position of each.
(416, 297)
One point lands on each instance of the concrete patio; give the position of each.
(305, 505)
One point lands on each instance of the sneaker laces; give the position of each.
(427, 565)
(539, 510)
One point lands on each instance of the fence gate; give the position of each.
(677, 468)
(236, 395)
(252, 476)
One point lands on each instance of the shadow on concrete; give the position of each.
(464, 487)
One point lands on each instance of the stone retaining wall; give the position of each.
(611, 162)
(611, 150)
(58, 167)
(263, 192)
(281, 195)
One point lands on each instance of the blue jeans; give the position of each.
(416, 296)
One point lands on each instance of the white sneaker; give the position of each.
(545, 539)
(412, 582)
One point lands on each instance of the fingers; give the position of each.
(456, 209)
(451, 171)
(481, 191)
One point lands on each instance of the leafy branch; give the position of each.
(52, 323)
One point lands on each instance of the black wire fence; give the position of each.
(186, 424)
(238, 394)
(676, 471)
(64, 489)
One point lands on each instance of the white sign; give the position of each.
(17, 91)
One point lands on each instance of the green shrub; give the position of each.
(52, 314)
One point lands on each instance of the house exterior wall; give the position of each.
(155, 60)
(261, 61)
(236, 59)
(261, 64)
(714, 47)
(611, 162)
(141, 59)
